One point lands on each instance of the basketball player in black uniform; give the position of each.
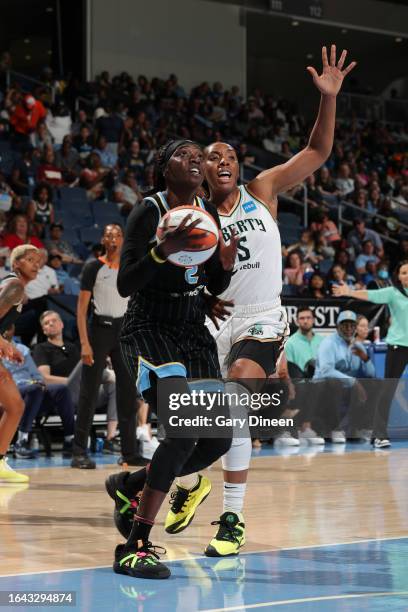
(25, 265)
(164, 335)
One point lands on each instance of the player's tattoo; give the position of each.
(10, 295)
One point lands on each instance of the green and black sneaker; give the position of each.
(125, 507)
(230, 536)
(141, 562)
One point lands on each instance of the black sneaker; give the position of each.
(83, 462)
(67, 449)
(111, 447)
(135, 460)
(125, 506)
(141, 562)
(22, 450)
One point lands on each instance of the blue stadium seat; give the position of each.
(289, 234)
(90, 235)
(106, 212)
(290, 219)
(72, 194)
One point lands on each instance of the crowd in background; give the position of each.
(103, 136)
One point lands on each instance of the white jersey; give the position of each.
(257, 276)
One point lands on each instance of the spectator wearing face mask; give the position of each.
(381, 278)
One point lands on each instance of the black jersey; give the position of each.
(11, 316)
(165, 291)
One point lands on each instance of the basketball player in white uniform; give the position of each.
(250, 340)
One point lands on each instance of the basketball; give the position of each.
(205, 240)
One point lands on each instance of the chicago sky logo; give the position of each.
(249, 206)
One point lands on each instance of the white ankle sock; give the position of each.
(69, 438)
(234, 494)
(22, 436)
(187, 482)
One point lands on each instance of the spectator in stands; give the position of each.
(362, 175)
(41, 137)
(367, 255)
(67, 158)
(375, 199)
(39, 398)
(59, 122)
(388, 226)
(107, 157)
(338, 275)
(24, 172)
(324, 250)
(83, 142)
(360, 234)
(343, 258)
(58, 361)
(306, 246)
(380, 278)
(327, 186)
(301, 351)
(132, 160)
(244, 155)
(55, 262)
(48, 171)
(344, 182)
(127, 194)
(324, 224)
(57, 245)
(92, 178)
(340, 366)
(316, 288)
(19, 234)
(81, 120)
(110, 127)
(294, 270)
(24, 120)
(40, 211)
(314, 195)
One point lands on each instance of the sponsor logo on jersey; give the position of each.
(256, 330)
(249, 206)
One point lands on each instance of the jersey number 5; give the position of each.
(191, 275)
(242, 251)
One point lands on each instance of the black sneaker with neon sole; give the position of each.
(141, 562)
(125, 506)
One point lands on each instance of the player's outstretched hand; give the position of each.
(179, 238)
(228, 252)
(217, 309)
(331, 79)
(341, 290)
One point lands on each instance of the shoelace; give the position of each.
(227, 532)
(149, 549)
(178, 499)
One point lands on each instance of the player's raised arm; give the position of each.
(280, 178)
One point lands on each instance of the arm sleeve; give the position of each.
(218, 278)
(381, 296)
(40, 356)
(137, 267)
(89, 274)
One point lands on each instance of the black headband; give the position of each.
(172, 148)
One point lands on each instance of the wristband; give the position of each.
(155, 257)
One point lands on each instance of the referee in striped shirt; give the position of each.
(99, 285)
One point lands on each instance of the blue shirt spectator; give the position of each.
(25, 373)
(336, 356)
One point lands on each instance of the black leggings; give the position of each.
(181, 456)
(395, 362)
